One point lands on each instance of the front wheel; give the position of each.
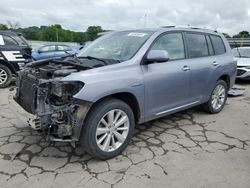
(217, 99)
(108, 129)
(5, 76)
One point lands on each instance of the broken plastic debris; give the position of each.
(235, 92)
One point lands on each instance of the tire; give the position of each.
(210, 105)
(5, 76)
(97, 119)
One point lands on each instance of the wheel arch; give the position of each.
(126, 97)
(225, 78)
(5, 63)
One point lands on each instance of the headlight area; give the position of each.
(59, 115)
(62, 92)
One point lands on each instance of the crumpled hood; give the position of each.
(243, 61)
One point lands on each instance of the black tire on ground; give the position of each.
(7, 71)
(95, 115)
(208, 107)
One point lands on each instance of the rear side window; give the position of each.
(219, 47)
(197, 45)
(21, 41)
(172, 43)
(63, 48)
(9, 41)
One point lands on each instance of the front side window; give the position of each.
(9, 41)
(47, 49)
(120, 46)
(218, 45)
(172, 43)
(197, 45)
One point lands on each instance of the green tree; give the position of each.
(57, 33)
(92, 32)
(3, 27)
(31, 33)
(226, 35)
(50, 33)
(242, 34)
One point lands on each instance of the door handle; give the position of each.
(215, 63)
(185, 68)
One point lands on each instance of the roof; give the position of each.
(7, 32)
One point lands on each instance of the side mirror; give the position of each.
(158, 56)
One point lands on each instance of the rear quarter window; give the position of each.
(21, 40)
(218, 45)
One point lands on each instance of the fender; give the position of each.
(99, 83)
(12, 66)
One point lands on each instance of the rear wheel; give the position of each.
(5, 76)
(217, 99)
(108, 129)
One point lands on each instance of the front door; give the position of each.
(167, 84)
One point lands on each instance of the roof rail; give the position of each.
(168, 26)
(190, 27)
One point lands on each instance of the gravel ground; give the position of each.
(187, 149)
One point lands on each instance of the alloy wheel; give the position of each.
(3, 76)
(112, 130)
(218, 97)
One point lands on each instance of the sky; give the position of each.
(229, 16)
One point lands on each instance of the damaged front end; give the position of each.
(41, 91)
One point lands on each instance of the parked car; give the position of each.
(242, 56)
(126, 78)
(53, 51)
(14, 54)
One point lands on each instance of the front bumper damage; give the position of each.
(56, 121)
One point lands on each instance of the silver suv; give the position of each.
(122, 79)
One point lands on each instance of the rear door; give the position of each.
(200, 60)
(10, 50)
(167, 84)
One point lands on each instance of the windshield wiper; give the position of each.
(95, 58)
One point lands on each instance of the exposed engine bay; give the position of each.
(41, 91)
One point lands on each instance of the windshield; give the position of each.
(119, 46)
(241, 52)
